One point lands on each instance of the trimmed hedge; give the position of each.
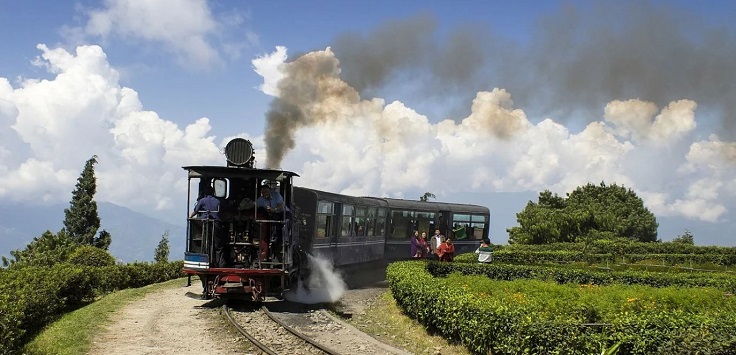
(513, 255)
(537, 317)
(613, 250)
(569, 274)
(32, 297)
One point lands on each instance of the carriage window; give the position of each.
(402, 223)
(461, 218)
(325, 216)
(425, 222)
(381, 222)
(346, 228)
(326, 207)
(370, 222)
(361, 221)
(466, 226)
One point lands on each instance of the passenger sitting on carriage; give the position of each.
(446, 251)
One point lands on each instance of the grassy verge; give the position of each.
(73, 333)
(386, 322)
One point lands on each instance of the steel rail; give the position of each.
(253, 340)
(299, 334)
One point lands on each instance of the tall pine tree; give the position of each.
(161, 254)
(81, 220)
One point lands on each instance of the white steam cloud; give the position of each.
(324, 284)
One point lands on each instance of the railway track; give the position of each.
(272, 335)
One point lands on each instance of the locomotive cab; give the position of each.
(237, 243)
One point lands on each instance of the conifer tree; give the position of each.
(161, 255)
(81, 220)
(104, 240)
(427, 196)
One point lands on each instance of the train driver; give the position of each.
(271, 200)
(273, 203)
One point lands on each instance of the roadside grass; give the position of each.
(385, 321)
(73, 333)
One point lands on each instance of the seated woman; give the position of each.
(446, 251)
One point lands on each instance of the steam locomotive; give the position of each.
(250, 252)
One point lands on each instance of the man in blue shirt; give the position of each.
(271, 200)
(273, 203)
(208, 209)
(207, 206)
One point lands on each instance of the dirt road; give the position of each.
(169, 322)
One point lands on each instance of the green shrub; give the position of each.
(88, 255)
(11, 317)
(572, 274)
(33, 296)
(542, 317)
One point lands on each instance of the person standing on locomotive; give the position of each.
(208, 208)
(273, 203)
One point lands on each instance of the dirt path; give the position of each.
(169, 322)
(162, 323)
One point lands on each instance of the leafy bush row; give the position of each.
(512, 255)
(567, 274)
(620, 246)
(537, 317)
(31, 297)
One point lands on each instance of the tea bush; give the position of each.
(543, 317)
(33, 296)
(571, 274)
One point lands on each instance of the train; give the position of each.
(250, 252)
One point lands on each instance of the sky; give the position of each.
(467, 100)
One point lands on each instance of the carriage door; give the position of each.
(442, 223)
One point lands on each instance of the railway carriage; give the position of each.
(344, 229)
(465, 224)
(266, 253)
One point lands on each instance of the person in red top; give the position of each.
(446, 250)
(422, 246)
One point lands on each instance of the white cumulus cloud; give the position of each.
(188, 29)
(57, 124)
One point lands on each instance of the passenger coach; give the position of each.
(349, 230)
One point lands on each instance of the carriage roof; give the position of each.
(238, 172)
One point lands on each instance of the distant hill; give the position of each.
(134, 235)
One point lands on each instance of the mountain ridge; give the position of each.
(135, 236)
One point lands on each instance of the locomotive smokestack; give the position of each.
(311, 91)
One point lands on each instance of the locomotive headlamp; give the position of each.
(239, 152)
